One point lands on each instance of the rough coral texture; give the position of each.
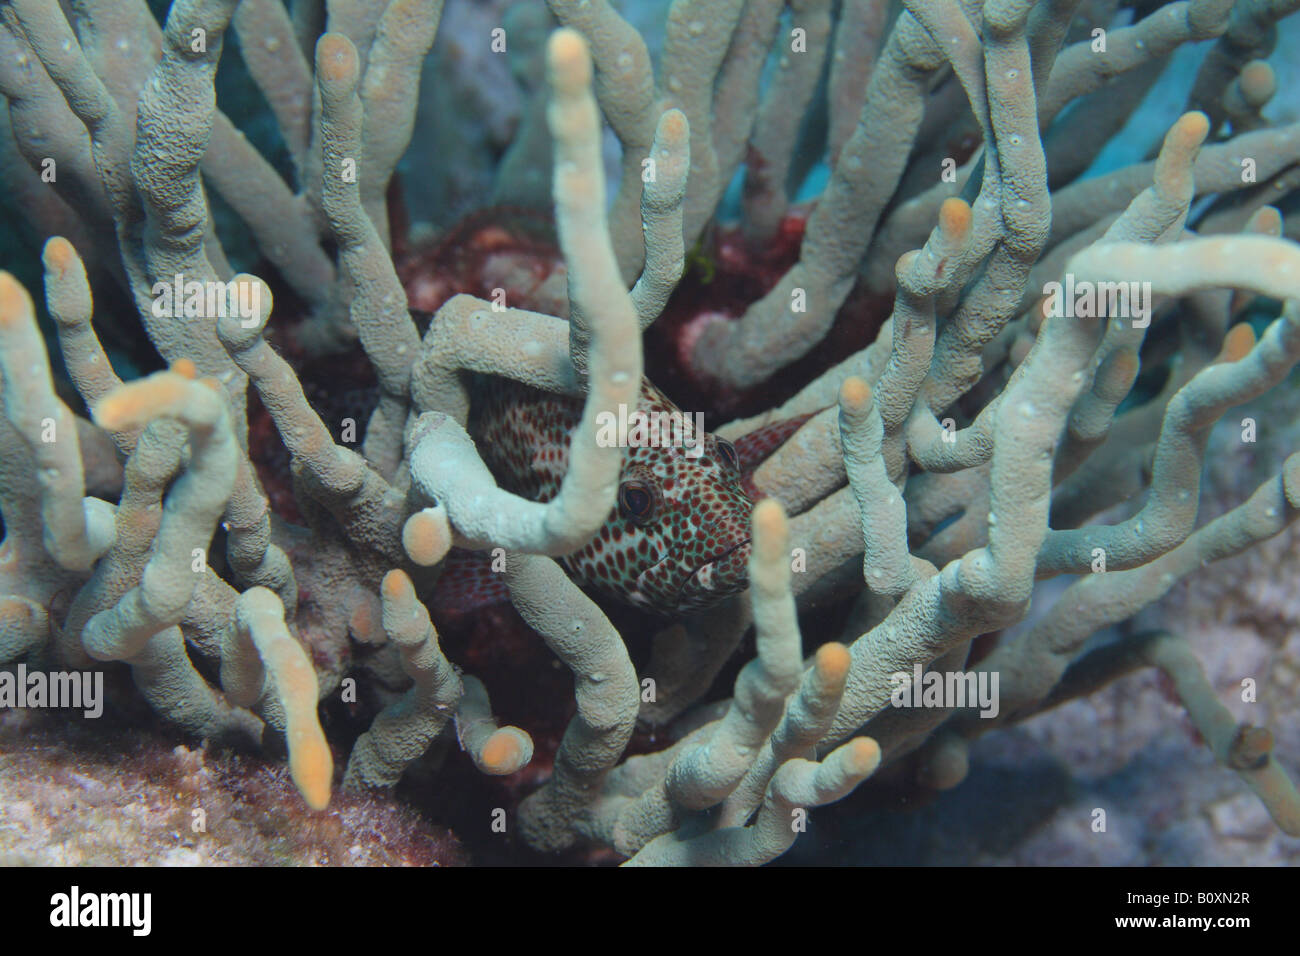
(983, 408)
(129, 799)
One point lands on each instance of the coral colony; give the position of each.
(926, 391)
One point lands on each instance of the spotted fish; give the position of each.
(677, 539)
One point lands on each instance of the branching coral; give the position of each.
(926, 483)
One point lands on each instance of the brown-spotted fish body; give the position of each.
(678, 538)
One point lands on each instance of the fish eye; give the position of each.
(727, 452)
(636, 501)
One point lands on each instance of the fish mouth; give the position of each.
(702, 580)
(722, 575)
